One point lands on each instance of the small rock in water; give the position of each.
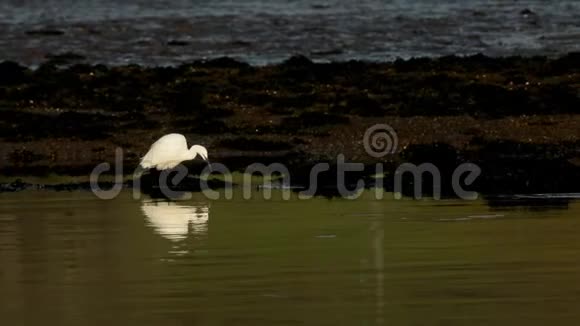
(45, 32)
(241, 43)
(177, 43)
(527, 12)
(320, 6)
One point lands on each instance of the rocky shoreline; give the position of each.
(516, 118)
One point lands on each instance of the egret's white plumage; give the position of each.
(169, 151)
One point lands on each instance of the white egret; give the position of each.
(170, 150)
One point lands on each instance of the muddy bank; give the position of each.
(517, 118)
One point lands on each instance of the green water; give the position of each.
(72, 259)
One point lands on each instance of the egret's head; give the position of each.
(198, 150)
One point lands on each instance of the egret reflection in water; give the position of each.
(176, 221)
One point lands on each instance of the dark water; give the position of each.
(138, 31)
(70, 259)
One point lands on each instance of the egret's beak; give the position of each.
(209, 165)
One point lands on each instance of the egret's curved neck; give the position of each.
(198, 150)
(193, 152)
